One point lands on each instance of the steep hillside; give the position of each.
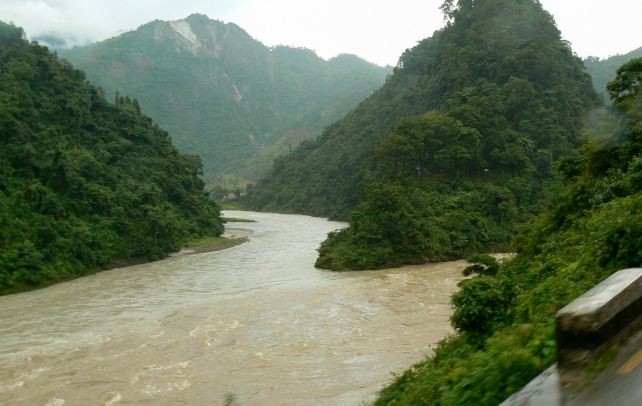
(85, 183)
(498, 68)
(506, 320)
(322, 176)
(603, 70)
(223, 94)
(510, 97)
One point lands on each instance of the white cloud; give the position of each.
(82, 21)
(377, 30)
(598, 27)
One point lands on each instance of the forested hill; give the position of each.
(603, 70)
(505, 317)
(85, 183)
(489, 103)
(224, 95)
(499, 67)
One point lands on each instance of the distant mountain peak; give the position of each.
(223, 94)
(199, 34)
(349, 62)
(199, 17)
(184, 30)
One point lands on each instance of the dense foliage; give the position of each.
(603, 70)
(84, 183)
(506, 321)
(224, 95)
(508, 97)
(499, 69)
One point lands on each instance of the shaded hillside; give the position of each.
(603, 70)
(490, 102)
(223, 94)
(85, 183)
(505, 321)
(322, 176)
(507, 75)
(509, 97)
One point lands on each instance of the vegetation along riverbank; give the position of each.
(85, 183)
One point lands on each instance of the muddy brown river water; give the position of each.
(255, 324)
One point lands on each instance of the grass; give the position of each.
(208, 244)
(237, 220)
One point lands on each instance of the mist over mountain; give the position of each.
(224, 95)
(52, 41)
(486, 141)
(604, 70)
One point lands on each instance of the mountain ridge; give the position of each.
(452, 152)
(603, 70)
(223, 94)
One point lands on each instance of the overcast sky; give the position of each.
(377, 30)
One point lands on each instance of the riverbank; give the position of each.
(237, 220)
(210, 244)
(346, 336)
(258, 322)
(231, 238)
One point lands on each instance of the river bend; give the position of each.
(255, 324)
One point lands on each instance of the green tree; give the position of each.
(85, 183)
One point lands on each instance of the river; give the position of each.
(255, 324)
